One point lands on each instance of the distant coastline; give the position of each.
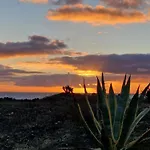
(30, 95)
(25, 95)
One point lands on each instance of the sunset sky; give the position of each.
(42, 40)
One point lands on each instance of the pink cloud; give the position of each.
(35, 1)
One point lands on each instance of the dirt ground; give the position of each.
(50, 123)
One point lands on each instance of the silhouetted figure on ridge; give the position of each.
(67, 89)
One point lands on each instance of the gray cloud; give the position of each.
(75, 80)
(64, 2)
(113, 63)
(58, 80)
(47, 80)
(36, 45)
(127, 3)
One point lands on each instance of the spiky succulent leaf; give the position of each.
(99, 103)
(123, 84)
(135, 122)
(129, 117)
(144, 140)
(105, 110)
(86, 124)
(143, 93)
(101, 94)
(122, 103)
(102, 106)
(96, 123)
(126, 93)
(117, 122)
(116, 118)
(103, 84)
(138, 139)
(106, 140)
(112, 103)
(111, 108)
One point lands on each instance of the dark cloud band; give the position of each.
(36, 45)
(113, 63)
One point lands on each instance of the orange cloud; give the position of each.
(35, 1)
(98, 15)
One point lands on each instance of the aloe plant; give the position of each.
(116, 117)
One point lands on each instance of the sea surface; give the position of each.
(20, 95)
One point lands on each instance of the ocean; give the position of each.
(20, 95)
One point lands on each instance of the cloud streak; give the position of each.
(35, 1)
(98, 15)
(55, 2)
(36, 45)
(65, 2)
(7, 73)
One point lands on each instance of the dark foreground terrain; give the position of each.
(50, 123)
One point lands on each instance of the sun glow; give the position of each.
(81, 90)
(10, 87)
(87, 73)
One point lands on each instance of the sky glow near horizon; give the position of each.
(42, 40)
